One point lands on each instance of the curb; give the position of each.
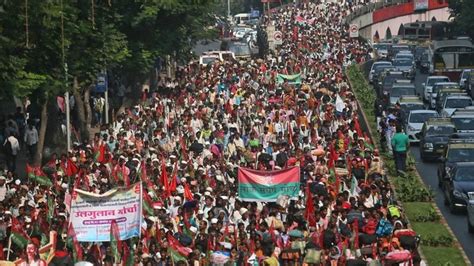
(417, 174)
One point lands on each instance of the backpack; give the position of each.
(313, 256)
(384, 228)
(394, 211)
(398, 256)
(7, 147)
(408, 242)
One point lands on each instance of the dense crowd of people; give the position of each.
(211, 121)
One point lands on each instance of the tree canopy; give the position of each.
(461, 12)
(38, 37)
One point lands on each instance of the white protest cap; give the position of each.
(243, 211)
(214, 220)
(193, 229)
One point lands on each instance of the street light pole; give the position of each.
(106, 95)
(228, 9)
(68, 113)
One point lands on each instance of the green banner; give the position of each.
(259, 192)
(293, 79)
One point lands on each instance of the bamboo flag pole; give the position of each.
(93, 13)
(9, 246)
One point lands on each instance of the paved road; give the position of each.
(428, 171)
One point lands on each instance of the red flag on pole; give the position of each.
(77, 247)
(115, 243)
(71, 168)
(309, 211)
(164, 179)
(188, 195)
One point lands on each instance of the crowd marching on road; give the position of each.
(186, 146)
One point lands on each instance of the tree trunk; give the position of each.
(81, 114)
(87, 107)
(41, 134)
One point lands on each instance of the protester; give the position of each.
(400, 148)
(186, 140)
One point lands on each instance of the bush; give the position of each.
(431, 216)
(409, 189)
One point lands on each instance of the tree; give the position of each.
(463, 19)
(124, 37)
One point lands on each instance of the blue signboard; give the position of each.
(101, 85)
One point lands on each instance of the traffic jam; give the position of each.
(425, 83)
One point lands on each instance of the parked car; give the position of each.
(458, 182)
(415, 121)
(428, 85)
(434, 137)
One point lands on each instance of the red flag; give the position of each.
(164, 179)
(174, 244)
(272, 231)
(356, 229)
(126, 253)
(295, 33)
(115, 243)
(173, 182)
(71, 168)
(357, 127)
(309, 211)
(252, 246)
(77, 247)
(188, 195)
(183, 148)
(210, 246)
(30, 170)
(290, 134)
(158, 233)
(338, 182)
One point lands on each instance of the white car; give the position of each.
(453, 102)
(241, 32)
(428, 85)
(462, 79)
(374, 66)
(435, 89)
(415, 122)
(205, 60)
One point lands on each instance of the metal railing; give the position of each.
(370, 7)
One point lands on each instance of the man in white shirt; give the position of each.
(11, 150)
(3, 188)
(31, 140)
